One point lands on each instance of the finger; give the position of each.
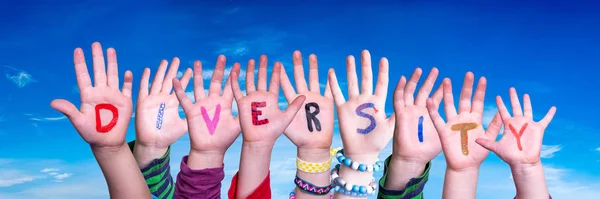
(286, 86)
(227, 92)
(68, 109)
(127, 84)
(217, 77)
(427, 86)
(262, 73)
(185, 79)
(367, 72)
(338, 96)
(235, 84)
(502, 109)
(411, 86)
(382, 78)
(494, 127)
(274, 86)
(113, 68)
(527, 109)
(437, 96)
(548, 118)
(250, 76)
(399, 92)
(81, 71)
(183, 99)
(299, 72)
(292, 109)
(449, 107)
(167, 83)
(478, 99)
(352, 78)
(198, 81)
(432, 109)
(313, 74)
(328, 94)
(514, 102)
(158, 78)
(464, 104)
(143, 90)
(99, 66)
(487, 144)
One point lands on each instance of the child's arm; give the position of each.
(521, 145)
(458, 133)
(262, 122)
(102, 122)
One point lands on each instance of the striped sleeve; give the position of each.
(158, 176)
(413, 189)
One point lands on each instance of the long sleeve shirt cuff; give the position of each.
(412, 190)
(158, 175)
(203, 183)
(263, 191)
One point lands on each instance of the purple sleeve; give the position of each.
(204, 183)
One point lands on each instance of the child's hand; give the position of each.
(362, 119)
(312, 128)
(415, 138)
(105, 110)
(157, 121)
(212, 126)
(521, 142)
(459, 132)
(261, 120)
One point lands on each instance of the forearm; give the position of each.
(145, 154)
(205, 159)
(254, 166)
(530, 181)
(321, 179)
(461, 184)
(122, 174)
(400, 171)
(355, 177)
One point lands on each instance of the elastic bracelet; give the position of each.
(293, 195)
(310, 188)
(355, 165)
(342, 187)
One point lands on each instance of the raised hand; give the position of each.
(458, 134)
(363, 124)
(521, 142)
(312, 128)
(157, 121)
(212, 126)
(105, 111)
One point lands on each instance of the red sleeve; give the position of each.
(263, 191)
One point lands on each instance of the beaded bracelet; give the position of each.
(293, 195)
(355, 165)
(310, 188)
(342, 187)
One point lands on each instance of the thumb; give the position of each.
(487, 144)
(68, 109)
(292, 109)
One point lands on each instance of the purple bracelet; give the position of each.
(293, 195)
(309, 188)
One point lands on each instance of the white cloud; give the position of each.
(598, 149)
(47, 170)
(548, 151)
(265, 40)
(20, 77)
(16, 181)
(48, 118)
(179, 74)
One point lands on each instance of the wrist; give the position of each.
(205, 159)
(315, 155)
(145, 154)
(409, 167)
(525, 170)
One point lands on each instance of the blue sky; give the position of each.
(548, 51)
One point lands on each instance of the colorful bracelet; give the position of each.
(342, 187)
(355, 165)
(310, 188)
(293, 195)
(311, 167)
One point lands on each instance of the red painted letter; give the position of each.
(256, 113)
(518, 135)
(112, 123)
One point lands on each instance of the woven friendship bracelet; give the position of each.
(293, 195)
(311, 167)
(310, 188)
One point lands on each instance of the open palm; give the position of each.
(105, 92)
(360, 134)
(459, 147)
(268, 121)
(415, 137)
(209, 131)
(521, 142)
(318, 134)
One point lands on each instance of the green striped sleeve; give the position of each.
(413, 189)
(158, 175)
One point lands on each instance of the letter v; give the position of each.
(211, 124)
